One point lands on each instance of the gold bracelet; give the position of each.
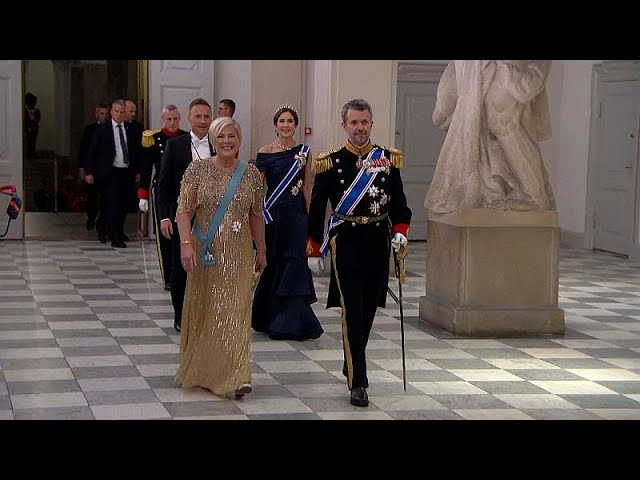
(184, 242)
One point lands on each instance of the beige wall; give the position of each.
(274, 83)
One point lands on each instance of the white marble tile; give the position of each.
(79, 325)
(395, 364)
(520, 363)
(441, 353)
(617, 413)
(255, 406)
(605, 374)
(22, 319)
(137, 411)
(290, 366)
(66, 310)
(535, 401)
(448, 388)
(215, 417)
(38, 374)
(136, 332)
(99, 361)
(628, 363)
(493, 414)
(271, 347)
(583, 343)
(25, 334)
(317, 390)
(107, 384)
(324, 354)
(355, 415)
(485, 375)
(48, 400)
(105, 317)
(554, 353)
(151, 349)
(51, 352)
(464, 344)
(86, 341)
(405, 403)
(612, 334)
(158, 370)
(575, 387)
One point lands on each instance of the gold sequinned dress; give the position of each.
(216, 317)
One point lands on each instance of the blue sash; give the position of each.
(298, 164)
(206, 255)
(352, 195)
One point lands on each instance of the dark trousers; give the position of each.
(91, 192)
(178, 276)
(32, 136)
(360, 263)
(116, 202)
(164, 246)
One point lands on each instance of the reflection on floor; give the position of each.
(68, 225)
(86, 332)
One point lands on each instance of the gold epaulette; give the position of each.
(147, 137)
(322, 162)
(397, 158)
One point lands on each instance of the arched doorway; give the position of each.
(68, 91)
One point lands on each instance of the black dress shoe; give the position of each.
(177, 326)
(90, 224)
(346, 374)
(102, 237)
(359, 397)
(118, 244)
(167, 286)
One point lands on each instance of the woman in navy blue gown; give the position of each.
(283, 297)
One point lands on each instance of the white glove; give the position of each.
(316, 264)
(143, 205)
(397, 240)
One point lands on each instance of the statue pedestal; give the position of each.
(493, 273)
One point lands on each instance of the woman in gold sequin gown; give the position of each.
(216, 318)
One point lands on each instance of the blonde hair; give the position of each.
(219, 124)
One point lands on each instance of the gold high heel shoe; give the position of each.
(242, 390)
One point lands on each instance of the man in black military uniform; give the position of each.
(154, 143)
(369, 214)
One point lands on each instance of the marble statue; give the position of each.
(495, 113)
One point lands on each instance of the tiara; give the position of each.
(285, 107)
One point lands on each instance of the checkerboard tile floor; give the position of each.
(86, 332)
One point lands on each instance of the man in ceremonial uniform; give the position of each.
(369, 215)
(153, 143)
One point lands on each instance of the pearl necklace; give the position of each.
(282, 147)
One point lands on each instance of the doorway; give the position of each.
(416, 135)
(68, 91)
(614, 164)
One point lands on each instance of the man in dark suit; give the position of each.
(178, 154)
(113, 164)
(154, 143)
(102, 114)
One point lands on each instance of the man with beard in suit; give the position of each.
(178, 154)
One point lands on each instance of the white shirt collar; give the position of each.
(196, 141)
